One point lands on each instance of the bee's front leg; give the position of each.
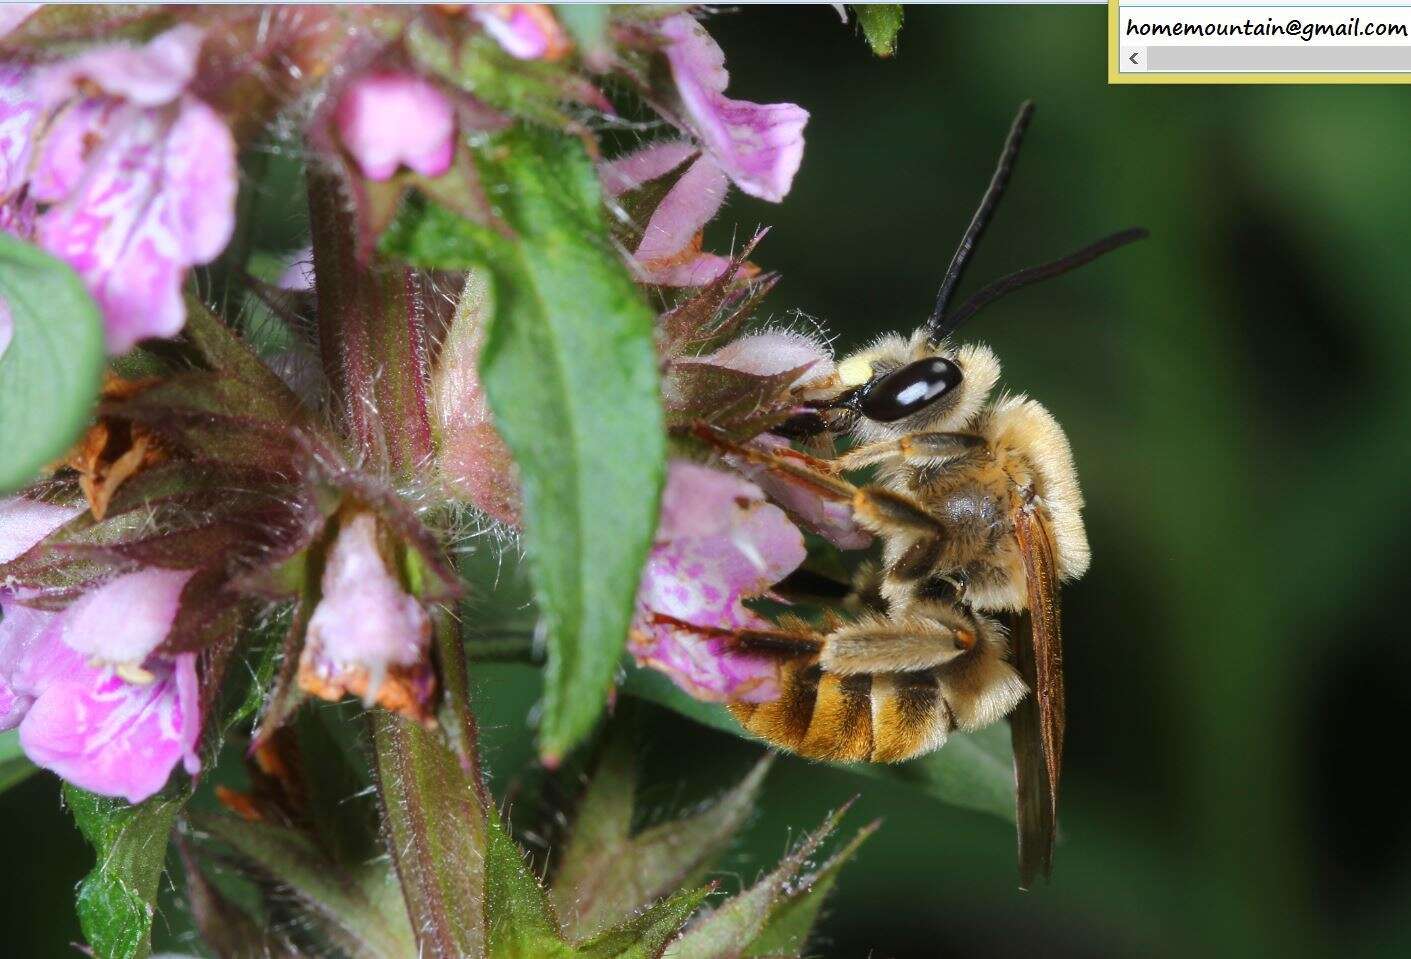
(921, 449)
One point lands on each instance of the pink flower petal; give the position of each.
(24, 522)
(365, 618)
(526, 31)
(718, 543)
(148, 75)
(692, 202)
(156, 197)
(705, 668)
(126, 618)
(390, 119)
(113, 737)
(23, 632)
(759, 145)
(774, 352)
(19, 109)
(829, 518)
(634, 169)
(669, 254)
(200, 183)
(14, 14)
(76, 129)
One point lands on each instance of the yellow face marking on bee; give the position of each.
(855, 372)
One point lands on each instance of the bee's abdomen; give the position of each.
(884, 717)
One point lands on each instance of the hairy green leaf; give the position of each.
(355, 911)
(117, 900)
(645, 936)
(607, 874)
(518, 916)
(881, 22)
(787, 930)
(570, 373)
(15, 767)
(521, 921)
(731, 929)
(53, 363)
(972, 770)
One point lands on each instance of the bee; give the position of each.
(977, 505)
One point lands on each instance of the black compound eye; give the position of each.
(909, 389)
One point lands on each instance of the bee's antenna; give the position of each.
(1033, 274)
(998, 181)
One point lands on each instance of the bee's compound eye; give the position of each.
(909, 389)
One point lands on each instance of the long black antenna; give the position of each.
(1022, 278)
(982, 216)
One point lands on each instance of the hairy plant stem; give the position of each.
(376, 352)
(372, 326)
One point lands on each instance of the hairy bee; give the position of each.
(977, 505)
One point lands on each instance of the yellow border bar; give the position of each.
(1115, 76)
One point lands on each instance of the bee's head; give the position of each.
(897, 386)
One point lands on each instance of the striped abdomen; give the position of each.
(881, 717)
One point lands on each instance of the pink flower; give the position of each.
(830, 518)
(387, 120)
(24, 522)
(758, 145)
(773, 352)
(148, 600)
(135, 177)
(366, 636)
(151, 75)
(669, 253)
(717, 544)
(527, 31)
(14, 14)
(118, 732)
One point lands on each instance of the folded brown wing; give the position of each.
(1037, 726)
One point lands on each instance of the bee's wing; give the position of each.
(1037, 725)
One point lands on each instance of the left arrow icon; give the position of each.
(1133, 58)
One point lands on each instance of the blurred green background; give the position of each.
(1238, 393)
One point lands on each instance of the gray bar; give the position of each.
(1274, 59)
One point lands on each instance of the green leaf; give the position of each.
(117, 900)
(972, 770)
(521, 918)
(518, 916)
(731, 929)
(787, 930)
(51, 370)
(351, 909)
(570, 372)
(881, 22)
(607, 874)
(15, 767)
(645, 936)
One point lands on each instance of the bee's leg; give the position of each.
(862, 592)
(875, 507)
(928, 449)
(806, 470)
(793, 638)
(885, 646)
